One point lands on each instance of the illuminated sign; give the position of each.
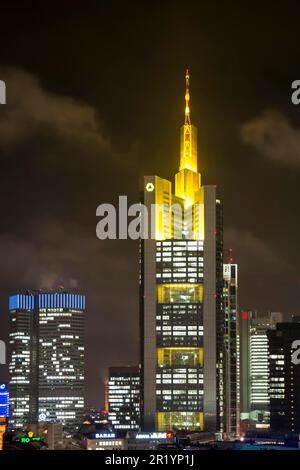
(149, 187)
(154, 435)
(4, 400)
(105, 435)
(26, 440)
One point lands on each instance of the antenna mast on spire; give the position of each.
(187, 97)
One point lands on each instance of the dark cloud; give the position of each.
(262, 269)
(30, 109)
(54, 152)
(274, 136)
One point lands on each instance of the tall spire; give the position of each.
(187, 120)
(188, 179)
(188, 140)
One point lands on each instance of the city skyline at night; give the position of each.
(94, 101)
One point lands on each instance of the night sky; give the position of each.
(95, 100)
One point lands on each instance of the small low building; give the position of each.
(106, 441)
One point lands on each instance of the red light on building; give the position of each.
(244, 315)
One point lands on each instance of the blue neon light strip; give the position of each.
(53, 300)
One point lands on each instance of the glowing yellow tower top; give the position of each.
(188, 180)
(187, 97)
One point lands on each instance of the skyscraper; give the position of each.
(231, 364)
(181, 310)
(284, 381)
(124, 397)
(4, 401)
(255, 366)
(47, 358)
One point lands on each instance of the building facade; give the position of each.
(231, 363)
(46, 358)
(181, 298)
(255, 397)
(284, 381)
(124, 397)
(4, 401)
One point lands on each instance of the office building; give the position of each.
(4, 401)
(231, 363)
(124, 398)
(181, 292)
(284, 363)
(254, 359)
(47, 358)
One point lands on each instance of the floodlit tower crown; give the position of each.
(188, 180)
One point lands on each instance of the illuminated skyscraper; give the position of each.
(4, 401)
(124, 397)
(231, 365)
(181, 311)
(255, 402)
(47, 358)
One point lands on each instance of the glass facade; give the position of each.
(124, 397)
(231, 405)
(179, 333)
(254, 377)
(47, 358)
(284, 380)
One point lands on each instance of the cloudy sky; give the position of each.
(95, 100)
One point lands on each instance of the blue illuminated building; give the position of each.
(47, 358)
(4, 401)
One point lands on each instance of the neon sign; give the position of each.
(155, 435)
(105, 435)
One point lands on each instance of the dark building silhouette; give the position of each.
(284, 364)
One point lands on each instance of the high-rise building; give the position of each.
(243, 353)
(255, 398)
(231, 364)
(46, 358)
(284, 362)
(4, 401)
(181, 309)
(124, 397)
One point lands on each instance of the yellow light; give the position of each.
(149, 187)
(166, 357)
(167, 292)
(180, 419)
(30, 434)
